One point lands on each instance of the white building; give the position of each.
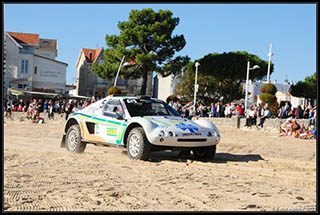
(88, 84)
(31, 64)
(166, 86)
(282, 93)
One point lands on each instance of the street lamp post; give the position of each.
(269, 54)
(248, 68)
(115, 80)
(124, 64)
(195, 87)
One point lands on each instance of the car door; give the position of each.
(111, 123)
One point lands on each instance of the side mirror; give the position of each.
(119, 117)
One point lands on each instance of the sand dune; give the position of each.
(252, 171)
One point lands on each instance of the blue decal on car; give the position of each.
(184, 127)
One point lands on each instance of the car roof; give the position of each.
(134, 97)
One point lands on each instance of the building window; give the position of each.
(35, 70)
(24, 66)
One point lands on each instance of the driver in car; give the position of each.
(120, 110)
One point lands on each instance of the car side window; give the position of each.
(113, 108)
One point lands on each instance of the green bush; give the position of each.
(269, 89)
(113, 90)
(267, 96)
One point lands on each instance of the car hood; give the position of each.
(176, 123)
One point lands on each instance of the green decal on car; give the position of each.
(113, 125)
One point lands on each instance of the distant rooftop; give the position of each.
(25, 38)
(94, 54)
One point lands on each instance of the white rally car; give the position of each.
(141, 124)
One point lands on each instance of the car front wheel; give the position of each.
(73, 140)
(138, 147)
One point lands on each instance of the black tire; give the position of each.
(204, 152)
(73, 140)
(138, 146)
(211, 152)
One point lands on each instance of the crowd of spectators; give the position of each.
(292, 128)
(253, 113)
(33, 108)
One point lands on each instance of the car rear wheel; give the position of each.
(204, 152)
(73, 140)
(138, 147)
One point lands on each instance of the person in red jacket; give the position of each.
(239, 110)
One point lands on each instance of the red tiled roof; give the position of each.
(94, 54)
(32, 39)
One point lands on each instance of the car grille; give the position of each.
(192, 140)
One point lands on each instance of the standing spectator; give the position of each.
(19, 108)
(219, 109)
(312, 120)
(227, 110)
(306, 111)
(45, 106)
(50, 110)
(213, 110)
(21, 102)
(238, 111)
(39, 106)
(57, 107)
(185, 112)
(299, 112)
(285, 110)
(30, 110)
(9, 109)
(203, 111)
(266, 114)
(68, 110)
(232, 108)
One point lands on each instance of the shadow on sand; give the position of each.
(219, 157)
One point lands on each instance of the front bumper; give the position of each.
(186, 142)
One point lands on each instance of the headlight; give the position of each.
(170, 133)
(161, 133)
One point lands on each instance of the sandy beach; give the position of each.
(252, 171)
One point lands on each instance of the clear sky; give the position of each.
(208, 28)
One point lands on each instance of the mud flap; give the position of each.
(63, 141)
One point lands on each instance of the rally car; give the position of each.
(140, 124)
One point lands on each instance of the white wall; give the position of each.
(164, 87)
(46, 53)
(50, 74)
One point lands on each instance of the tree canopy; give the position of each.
(145, 39)
(207, 86)
(224, 74)
(306, 89)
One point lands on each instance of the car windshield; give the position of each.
(148, 107)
